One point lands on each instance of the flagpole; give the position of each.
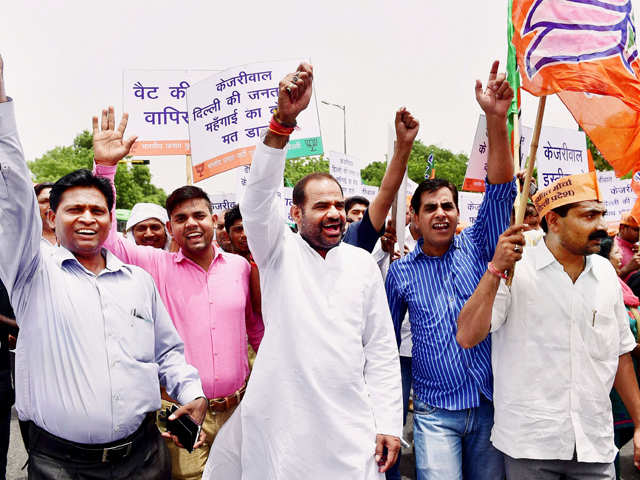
(530, 166)
(516, 152)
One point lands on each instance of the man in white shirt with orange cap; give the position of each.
(560, 341)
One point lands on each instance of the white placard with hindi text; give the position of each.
(345, 169)
(230, 109)
(561, 152)
(477, 166)
(220, 202)
(617, 195)
(157, 106)
(368, 191)
(469, 204)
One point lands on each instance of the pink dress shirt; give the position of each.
(211, 310)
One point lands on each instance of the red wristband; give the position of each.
(492, 269)
(280, 129)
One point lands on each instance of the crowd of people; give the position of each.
(507, 339)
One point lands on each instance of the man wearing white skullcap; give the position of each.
(147, 226)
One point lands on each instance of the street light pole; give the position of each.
(344, 121)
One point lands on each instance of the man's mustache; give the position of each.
(598, 235)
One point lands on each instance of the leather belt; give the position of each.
(222, 404)
(59, 448)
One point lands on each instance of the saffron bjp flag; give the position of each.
(585, 51)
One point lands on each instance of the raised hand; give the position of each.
(406, 127)
(109, 146)
(496, 98)
(295, 93)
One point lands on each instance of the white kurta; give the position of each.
(327, 377)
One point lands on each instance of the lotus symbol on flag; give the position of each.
(574, 31)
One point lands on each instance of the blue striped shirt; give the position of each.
(434, 290)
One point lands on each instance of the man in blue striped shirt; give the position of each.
(453, 413)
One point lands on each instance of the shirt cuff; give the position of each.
(190, 393)
(7, 117)
(108, 171)
(500, 191)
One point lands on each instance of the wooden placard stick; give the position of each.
(189, 168)
(524, 197)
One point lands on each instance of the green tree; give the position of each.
(133, 183)
(446, 163)
(296, 168)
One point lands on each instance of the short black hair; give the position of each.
(530, 210)
(349, 202)
(606, 244)
(41, 186)
(562, 210)
(188, 192)
(298, 190)
(80, 178)
(432, 185)
(231, 216)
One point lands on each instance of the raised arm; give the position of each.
(20, 224)
(495, 101)
(406, 130)
(474, 320)
(109, 147)
(261, 214)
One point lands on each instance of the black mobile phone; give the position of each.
(184, 428)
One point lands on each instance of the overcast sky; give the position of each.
(64, 62)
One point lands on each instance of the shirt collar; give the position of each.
(63, 256)
(418, 249)
(544, 257)
(217, 254)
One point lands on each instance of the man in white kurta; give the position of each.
(326, 383)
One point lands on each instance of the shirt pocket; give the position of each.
(601, 337)
(139, 338)
(4, 191)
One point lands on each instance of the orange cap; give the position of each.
(565, 190)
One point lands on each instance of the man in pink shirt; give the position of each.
(205, 290)
(626, 240)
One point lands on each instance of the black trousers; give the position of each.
(150, 461)
(6, 401)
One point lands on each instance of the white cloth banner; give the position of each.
(157, 106)
(230, 109)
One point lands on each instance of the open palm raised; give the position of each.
(109, 146)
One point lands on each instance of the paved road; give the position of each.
(18, 456)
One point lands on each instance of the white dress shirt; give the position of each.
(93, 349)
(327, 378)
(555, 350)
